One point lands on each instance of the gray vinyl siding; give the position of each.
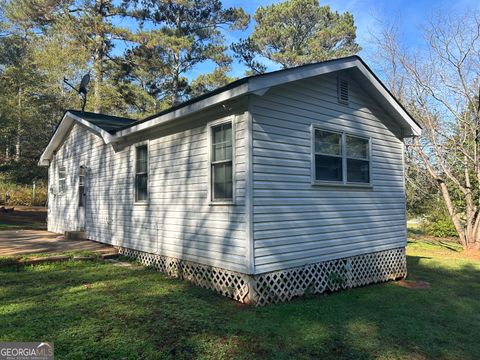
(295, 222)
(177, 221)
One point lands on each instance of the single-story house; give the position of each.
(273, 185)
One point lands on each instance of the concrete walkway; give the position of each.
(24, 242)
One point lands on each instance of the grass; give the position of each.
(31, 226)
(94, 310)
(8, 260)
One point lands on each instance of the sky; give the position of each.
(369, 17)
(408, 15)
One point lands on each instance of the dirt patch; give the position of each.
(26, 242)
(414, 284)
(24, 217)
(472, 254)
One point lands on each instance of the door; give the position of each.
(81, 198)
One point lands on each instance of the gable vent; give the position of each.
(342, 87)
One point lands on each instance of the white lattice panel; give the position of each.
(228, 283)
(281, 286)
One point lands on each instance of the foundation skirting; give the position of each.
(283, 285)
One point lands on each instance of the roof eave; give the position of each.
(251, 85)
(257, 85)
(63, 128)
(408, 122)
(203, 104)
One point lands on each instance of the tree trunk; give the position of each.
(175, 90)
(453, 215)
(473, 237)
(98, 59)
(176, 65)
(98, 76)
(19, 126)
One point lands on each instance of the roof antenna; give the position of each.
(82, 90)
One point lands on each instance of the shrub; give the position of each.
(441, 228)
(439, 224)
(22, 195)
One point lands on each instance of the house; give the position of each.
(265, 188)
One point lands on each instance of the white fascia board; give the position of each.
(65, 125)
(186, 110)
(257, 86)
(416, 130)
(288, 75)
(105, 135)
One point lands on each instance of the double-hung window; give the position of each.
(221, 162)
(141, 173)
(340, 158)
(62, 179)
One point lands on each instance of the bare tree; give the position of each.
(440, 85)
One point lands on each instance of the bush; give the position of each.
(441, 228)
(22, 195)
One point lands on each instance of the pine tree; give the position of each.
(185, 34)
(297, 32)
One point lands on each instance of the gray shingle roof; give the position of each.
(105, 122)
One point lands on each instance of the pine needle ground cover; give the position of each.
(101, 310)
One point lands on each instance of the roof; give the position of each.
(105, 122)
(114, 129)
(245, 80)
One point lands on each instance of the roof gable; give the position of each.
(100, 124)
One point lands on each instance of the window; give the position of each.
(81, 187)
(141, 174)
(358, 164)
(221, 162)
(340, 158)
(61, 179)
(328, 156)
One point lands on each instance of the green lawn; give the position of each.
(96, 310)
(32, 226)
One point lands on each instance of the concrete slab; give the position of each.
(25, 242)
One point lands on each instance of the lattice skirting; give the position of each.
(283, 285)
(225, 282)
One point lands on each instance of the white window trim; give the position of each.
(344, 182)
(230, 119)
(142, 202)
